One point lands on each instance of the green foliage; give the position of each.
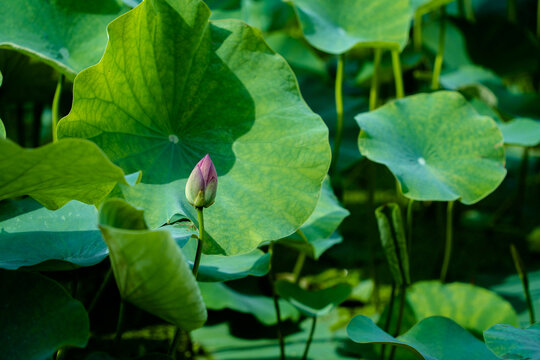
(434, 338)
(336, 27)
(313, 303)
(508, 342)
(149, 267)
(219, 296)
(38, 317)
(437, 146)
(160, 113)
(521, 131)
(68, 35)
(32, 234)
(71, 169)
(2, 130)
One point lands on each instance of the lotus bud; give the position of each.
(201, 186)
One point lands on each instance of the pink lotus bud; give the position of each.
(201, 186)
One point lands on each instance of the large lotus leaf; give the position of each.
(225, 268)
(219, 296)
(225, 344)
(38, 317)
(521, 131)
(320, 225)
(473, 307)
(437, 146)
(434, 338)
(71, 169)
(31, 234)
(313, 303)
(337, 26)
(69, 35)
(149, 267)
(511, 343)
(153, 110)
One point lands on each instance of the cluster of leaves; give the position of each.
(150, 88)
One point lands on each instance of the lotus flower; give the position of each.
(201, 186)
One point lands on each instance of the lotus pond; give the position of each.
(269, 179)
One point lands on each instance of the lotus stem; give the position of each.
(417, 31)
(437, 67)
(310, 338)
(374, 91)
(100, 290)
(398, 75)
(522, 183)
(339, 110)
(402, 298)
(448, 246)
(389, 316)
(538, 19)
(272, 277)
(300, 260)
(409, 224)
(522, 272)
(120, 322)
(55, 106)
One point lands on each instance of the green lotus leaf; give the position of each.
(468, 75)
(152, 110)
(297, 52)
(32, 234)
(149, 267)
(2, 130)
(455, 45)
(473, 307)
(437, 146)
(225, 268)
(71, 169)
(337, 26)
(320, 226)
(69, 35)
(313, 303)
(508, 342)
(426, 6)
(434, 338)
(38, 317)
(521, 131)
(218, 296)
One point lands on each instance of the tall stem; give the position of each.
(195, 271)
(310, 338)
(272, 277)
(400, 317)
(409, 224)
(339, 109)
(300, 260)
(538, 19)
(437, 67)
(417, 31)
(100, 290)
(120, 323)
(398, 75)
(522, 184)
(55, 106)
(389, 316)
(522, 272)
(448, 246)
(469, 10)
(374, 91)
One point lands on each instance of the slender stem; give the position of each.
(100, 290)
(339, 109)
(437, 67)
(417, 31)
(511, 8)
(374, 91)
(200, 243)
(389, 316)
(461, 8)
(56, 105)
(120, 323)
(310, 338)
(469, 10)
(538, 19)
(522, 184)
(196, 263)
(301, 259)
(522, 272)
(448, 246)
(272, 277)
(398, 76)
(409, 224)
(400, 317)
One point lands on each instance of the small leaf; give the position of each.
(521, 131)
(71, 169)
(149, 267)
(218, 296)
(313, 303)
(437, 146)
(337, 26)
(393, 241)
(32, 234)
(72, 33)
(508, 342)
(38, 317)
(434, 338)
